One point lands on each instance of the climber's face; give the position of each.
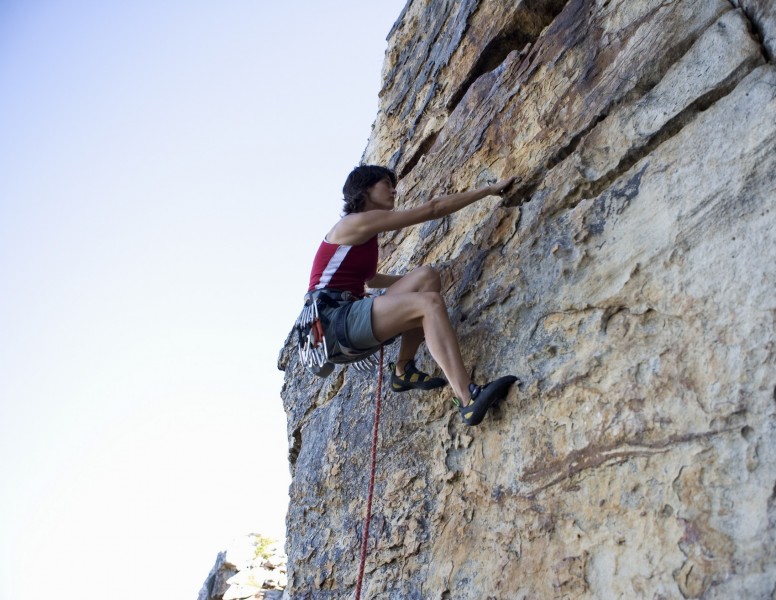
(382, 196)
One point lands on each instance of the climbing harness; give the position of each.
(365, 536)
(314, 352)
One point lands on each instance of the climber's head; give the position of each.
(358, 183)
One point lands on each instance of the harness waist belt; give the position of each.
(335, 295)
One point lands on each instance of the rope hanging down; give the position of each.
(365, 537)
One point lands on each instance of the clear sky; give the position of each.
(167, 170)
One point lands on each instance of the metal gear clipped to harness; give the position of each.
(311, 342)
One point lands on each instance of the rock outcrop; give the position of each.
(628, 280)
(253, 567)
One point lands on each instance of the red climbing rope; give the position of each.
(365, 537)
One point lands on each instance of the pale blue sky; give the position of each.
(166, 173)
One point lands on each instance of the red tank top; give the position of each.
(344, 267)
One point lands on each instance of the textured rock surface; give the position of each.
(628, 281)
(252, 568)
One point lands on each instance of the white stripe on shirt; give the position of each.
(331, 268)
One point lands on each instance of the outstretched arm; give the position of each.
(359, 227)
(445, 205)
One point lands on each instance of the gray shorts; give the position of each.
(357, 330)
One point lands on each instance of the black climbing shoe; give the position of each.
(413, 379)
(483, 397)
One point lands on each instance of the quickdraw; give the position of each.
(312, 342)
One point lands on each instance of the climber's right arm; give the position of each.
(446, 205)
(359, 227)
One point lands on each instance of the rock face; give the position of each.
(252, 568)
(628, 280)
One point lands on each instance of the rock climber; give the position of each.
(412, 306)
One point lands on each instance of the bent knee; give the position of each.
(429, 278)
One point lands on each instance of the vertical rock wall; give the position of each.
(628, 280)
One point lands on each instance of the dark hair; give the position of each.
(359, 181)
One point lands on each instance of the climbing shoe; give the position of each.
(413, 379)
(482, 398)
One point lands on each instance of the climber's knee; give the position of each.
(429, 278)
(424, 279)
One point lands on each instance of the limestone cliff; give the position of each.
(628, 280)
(253, 567)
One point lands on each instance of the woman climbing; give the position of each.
(412, 305)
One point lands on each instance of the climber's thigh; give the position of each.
(422, 279)
(393, 314)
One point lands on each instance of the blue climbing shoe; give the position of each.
(413, 379)
(482, 398)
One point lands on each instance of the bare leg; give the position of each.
(402, 311)
(422, 279)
